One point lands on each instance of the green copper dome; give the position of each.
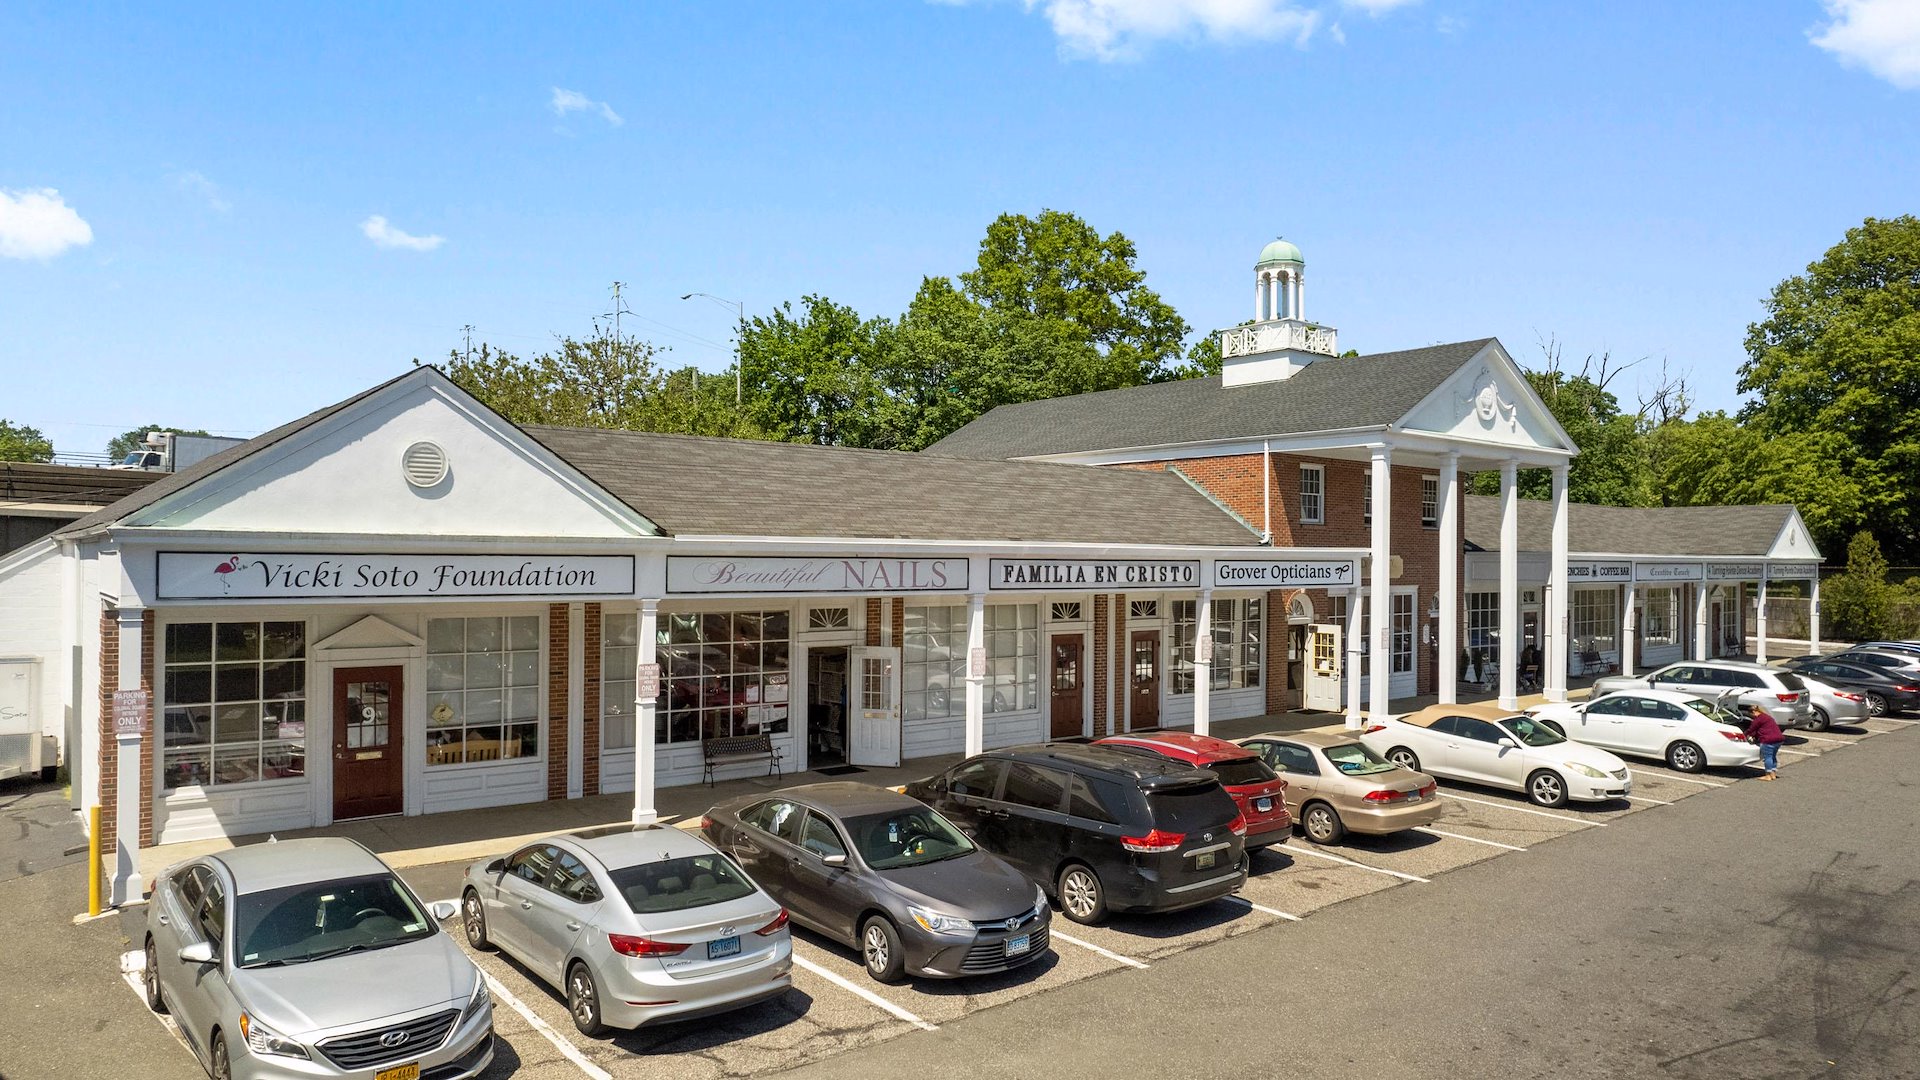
(1280, 252)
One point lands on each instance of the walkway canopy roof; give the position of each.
(1772, 531)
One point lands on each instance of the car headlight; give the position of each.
(479, 1001)
(263, 1040)
(1586, 770)
(1039, 900)
(937, 923)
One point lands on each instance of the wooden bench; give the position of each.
(736, 748)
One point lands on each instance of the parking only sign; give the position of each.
(129, 712)
(646, 682)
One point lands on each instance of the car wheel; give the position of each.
(474, 917)
(1404, 758)
(1686, 757)
(222, 1067)
(1321, 823)
(1554, 726)
(880, 950)
(1081, 897)
(1819, 721)
(1876, 705)
(1546, 788)
(583, 1001)
(151, 979)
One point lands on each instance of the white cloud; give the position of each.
(194, 183)
(1338, 35)
(1377, 7)
(38, 224)
(1120, 29)
(385, 235)
(1882, 36)
(569, 101)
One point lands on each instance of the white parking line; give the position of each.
(1643, 798)
(1891, 720)
(1685, 779)
(863, 992)
(1799, 753)
(1376, 869)
(1468, 839)
(133, 966)
(1819, 738)
(1091, 947)
(1526, 810)
(560, 1043)
(1264, 909)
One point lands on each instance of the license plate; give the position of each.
(409, 1071)
(1018, 945)
(726, 946)
(1204, 861)
(1263, 805)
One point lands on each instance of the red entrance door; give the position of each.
(367, 760)
(1145, 680)
(1068, 716)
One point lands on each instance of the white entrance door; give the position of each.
(875, 738)
(19, 727)
(1322, 689)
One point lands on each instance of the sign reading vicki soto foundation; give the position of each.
(1237, 574)
(207, 575)
(691, 575)
(1072, 574)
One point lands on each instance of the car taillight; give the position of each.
(1238, 826)
(778, 924)
(1429, 790)
(1371, 728)
(1283, 785)
(1787, 699)
(1383, 795)
(1908, 689)
(630, 945)
(706, 822)
(1848, 696)
(1733, 736)
(1157, 840)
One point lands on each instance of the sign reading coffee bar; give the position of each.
(698, 575)
(204, 575)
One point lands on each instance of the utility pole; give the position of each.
(619, 307)
(467, 332)
(740, 316)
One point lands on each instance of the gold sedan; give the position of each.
(1336, 785)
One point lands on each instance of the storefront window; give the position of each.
(619, 653)
(233, 704)
(934, 659)
(1596, 617)
(1483, 620)
(483, 689)
(1657, 625)
(1237, 636)
(724, 673)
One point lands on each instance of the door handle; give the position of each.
(526, 905)
(163, 921)
(573, 926)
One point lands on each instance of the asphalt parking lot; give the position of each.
(834, 1007)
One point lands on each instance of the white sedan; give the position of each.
(1685, 730)
(1483, 744)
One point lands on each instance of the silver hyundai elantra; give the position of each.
(635, 926)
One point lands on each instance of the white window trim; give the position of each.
(1366, 496)
(1320, 496)
(1438, 498)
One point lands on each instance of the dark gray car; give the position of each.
(886, 874)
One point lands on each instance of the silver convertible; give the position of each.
(310, 959)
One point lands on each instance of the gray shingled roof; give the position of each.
(1631, 530)
(734, 487)
(1327, 395)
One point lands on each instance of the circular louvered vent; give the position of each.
(425, 464)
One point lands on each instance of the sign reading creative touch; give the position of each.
(1667, 571)
(1735, 571)
(1599, 571)
(1235, 574)
(697, 574)
(1070, 574)
(198, 575)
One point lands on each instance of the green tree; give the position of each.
(19, 442)
(1715, 460)
(1611, 468)
(1837, 360)
(1858, 603)
(127, 442)
(812, 377)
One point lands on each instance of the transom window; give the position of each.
(483, 689)
(1143, 609)
(725, 673)
(1065, 611)
(1313, 491)
(233, 703)
(1237, 637)
(934, 658)
(829, 618)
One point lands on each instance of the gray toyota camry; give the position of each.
(886, 874)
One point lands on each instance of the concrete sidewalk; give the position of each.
(430, 839)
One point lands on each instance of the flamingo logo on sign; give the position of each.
(225, 570)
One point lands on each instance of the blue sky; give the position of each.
(255, 214)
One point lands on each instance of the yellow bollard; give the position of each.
(93, 860)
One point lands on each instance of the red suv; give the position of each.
(1255, 787)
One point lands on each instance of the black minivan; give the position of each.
(1103, 829)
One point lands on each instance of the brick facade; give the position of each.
(558, 628)
(590, 704)
(109, 763)
(873, 621)
(1102, 720)
(1118, 721)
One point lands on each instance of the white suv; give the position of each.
(1780, 693)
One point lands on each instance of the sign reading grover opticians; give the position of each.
(205, 575)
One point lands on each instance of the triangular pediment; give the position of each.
(1794, 541)
(1488, 400)
(348, 473)
(372, 632)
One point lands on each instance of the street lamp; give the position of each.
(740, 311)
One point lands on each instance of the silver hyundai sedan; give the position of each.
(309, 958)
(635, 926)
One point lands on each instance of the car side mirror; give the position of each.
(443, 909)
(835, 861)
(199, 953)
(497, 866)
(1508, 744)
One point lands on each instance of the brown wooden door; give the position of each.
(368, 776)
(1068, 716)
(1144, 680)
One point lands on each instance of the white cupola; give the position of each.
(1279, 341)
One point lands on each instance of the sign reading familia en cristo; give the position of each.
(206, 575)
(1069, 574)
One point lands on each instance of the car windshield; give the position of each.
(906, 838)
(1531, 732)
(1353, 759)
(312, 921)
(677, 884)
(1714, 711)
(1235, 772)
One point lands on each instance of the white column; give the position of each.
(127, 885)
(1355, 642)
(644, 718)
(1203, 664)
(1700, 639)
(1260, 300)
(1449, 677)
(1813, 619)
(976, 684)
(1629, 623)
(1279, 296)
(1760, 620)
(1509, 584)
(1558, 652)
(1299, 296)
(1380, 602)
